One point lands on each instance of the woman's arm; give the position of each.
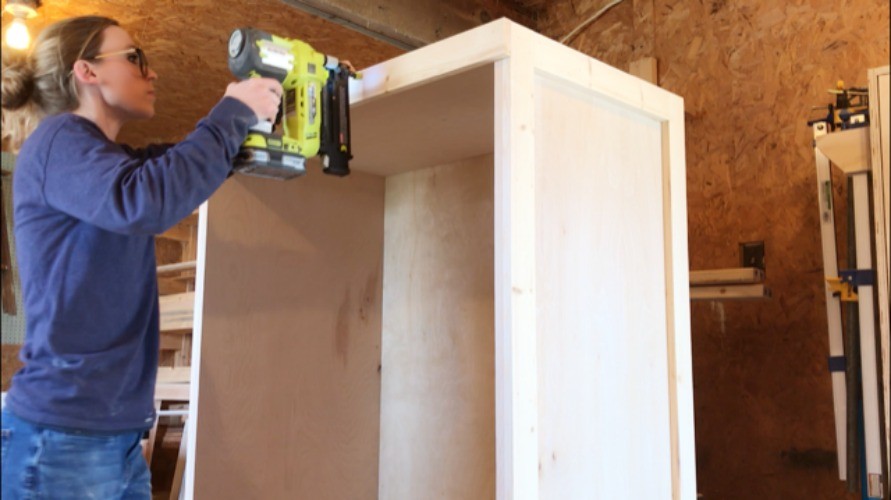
(95, 180)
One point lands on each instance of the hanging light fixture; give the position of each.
(17, 36)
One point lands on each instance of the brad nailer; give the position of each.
(314, 113)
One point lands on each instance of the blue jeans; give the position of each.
(42, 462)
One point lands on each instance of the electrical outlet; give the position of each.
(751, 254)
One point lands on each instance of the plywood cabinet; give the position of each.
(495, 303)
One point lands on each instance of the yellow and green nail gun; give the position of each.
(315, 108)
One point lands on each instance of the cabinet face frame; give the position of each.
(879, 125)
(518, 56)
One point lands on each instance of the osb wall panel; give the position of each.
(186, 45)
(749, 72)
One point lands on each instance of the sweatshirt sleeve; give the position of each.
(150, 151)
(95, 180)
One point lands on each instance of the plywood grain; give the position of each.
(516, 377)
(438, 386)
(604, 407)
(749, 73)
(434, 124)
(176, 311)
(289, 387)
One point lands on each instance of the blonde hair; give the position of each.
(40, 83)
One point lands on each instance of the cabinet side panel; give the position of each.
(604, 398)
(437, 388)
(289, 379)
(880, 124)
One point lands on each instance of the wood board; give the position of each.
(177, 311)
(438, 373)
(601, 312)
(730, 292)
(726, 276)
(290, 340)
(750, 73)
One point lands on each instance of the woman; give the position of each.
(86, 210)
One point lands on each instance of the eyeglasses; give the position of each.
(134, 55)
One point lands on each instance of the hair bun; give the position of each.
(17, 81)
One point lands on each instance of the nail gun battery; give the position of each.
(264, 155)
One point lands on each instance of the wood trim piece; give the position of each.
(177, 483)
(847, 149)
(730, 292)
(577, 68)
(645, 68)
(181, 374)
(677, 281)
(741, 275)
(171, 341)
(172, 391)
(516, 359)
(177, 267)
(462, 52)
(177, 311)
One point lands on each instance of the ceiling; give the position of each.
(185, 41)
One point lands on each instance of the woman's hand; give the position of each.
(262, 95)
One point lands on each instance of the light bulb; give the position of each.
(17, 36)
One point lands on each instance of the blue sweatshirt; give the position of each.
(86, 212)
